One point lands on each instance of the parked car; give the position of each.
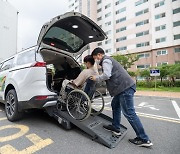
(33, 77)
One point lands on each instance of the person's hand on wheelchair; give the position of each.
(73, 84)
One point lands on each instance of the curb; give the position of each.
(150, 96)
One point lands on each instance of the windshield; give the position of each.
(63, 39)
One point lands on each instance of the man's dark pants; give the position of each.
(125, 102)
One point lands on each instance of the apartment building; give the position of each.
(8, 30)
(148, 28)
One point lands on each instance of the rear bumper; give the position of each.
(33, 103)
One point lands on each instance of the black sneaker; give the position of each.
(112, 129)
(141, 143)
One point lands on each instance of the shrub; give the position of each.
(151, 84)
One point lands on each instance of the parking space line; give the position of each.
(1, 119)
(34, 138)
(176, 107)
(158, 117)
(22, 130)
(151, 116)
(38, 144)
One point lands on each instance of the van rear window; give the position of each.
(26, 57)
(63, 39)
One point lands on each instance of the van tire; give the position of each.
(11, 106)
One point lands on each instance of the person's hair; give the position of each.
(90, 59)
(96, 51)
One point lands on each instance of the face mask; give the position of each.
(97, 61)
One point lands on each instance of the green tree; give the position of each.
(164, 71)
(171, 71)
(174, 72)
(131, 73)
(145, 73)
(82, 67)
(126, 60)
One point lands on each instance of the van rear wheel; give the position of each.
(11, 106)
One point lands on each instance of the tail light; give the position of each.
(39, 64)
(41, 98)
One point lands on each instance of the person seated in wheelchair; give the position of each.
(69, 85)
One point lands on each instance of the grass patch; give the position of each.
(170, 89)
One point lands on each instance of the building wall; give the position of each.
(8, 30)
(147, 29)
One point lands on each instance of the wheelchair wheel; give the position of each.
(78, 105)
(97, 103)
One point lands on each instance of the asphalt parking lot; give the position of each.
(38, 133)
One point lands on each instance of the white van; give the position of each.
(33, 77)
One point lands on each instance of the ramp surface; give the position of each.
(94, 127)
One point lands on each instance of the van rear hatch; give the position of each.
(70, 33)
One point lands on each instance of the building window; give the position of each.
(140, 2)
(80, 6)
(107, 6)
(142, 12)
(177, 50)
(100, 18)
(121, 39)
(177, 23)
(142, 22)
(144, 55)
(71, 5)
(108, 23)
(142, 33)
(107, 15)
(159, 40)
(120, 29)
(121, 10)
(121, 48)
(159, 4)
(142, 44)
(99, 44)
(121, 20)
(176, 10)
(177, 37)
(98, 2)
(108, 50)
(161, 63)
(120, 1)
(108, 41)
(162, 52)
(161, 15)
(99, 10)
(88, 8)
(158, 28)
(174, 0)
(143, 66)
(108, 32)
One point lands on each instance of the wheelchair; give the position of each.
(81, 103)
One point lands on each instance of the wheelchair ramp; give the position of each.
(94, 127)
